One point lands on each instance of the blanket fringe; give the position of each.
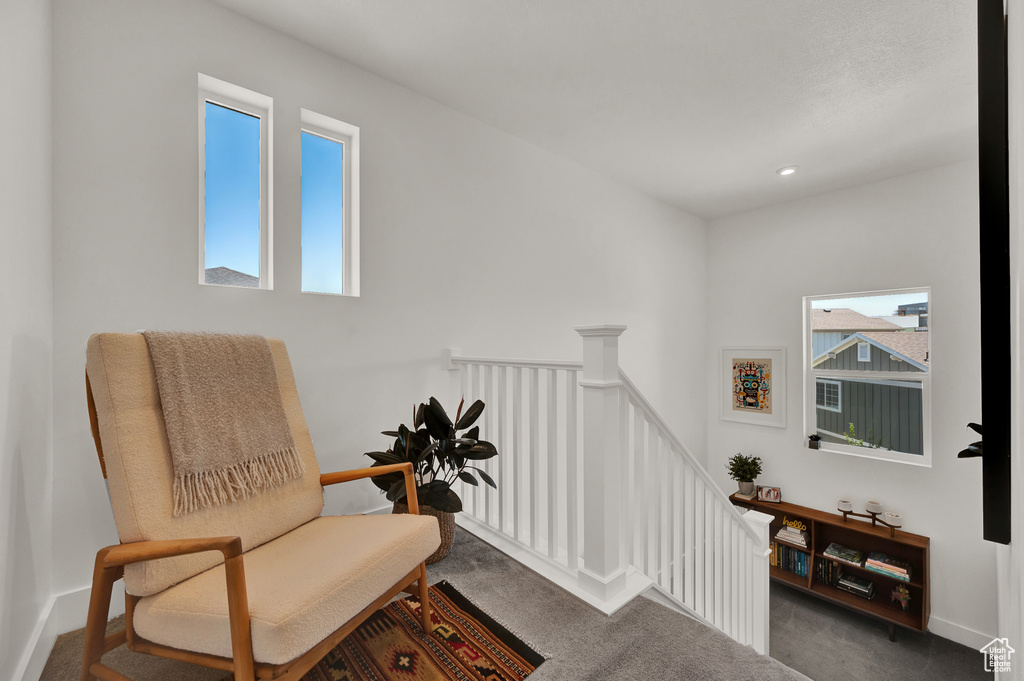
(196, 491)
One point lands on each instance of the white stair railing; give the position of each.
(593, 486)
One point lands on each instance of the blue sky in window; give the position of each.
(232, 190)
(322, 214)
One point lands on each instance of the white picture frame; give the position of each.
(753, 402)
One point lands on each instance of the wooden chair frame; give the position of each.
(109, 567)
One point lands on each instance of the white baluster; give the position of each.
(552, 461)
(690, 503)
(571, 470)
(535, 492)
(519, 486)
(489, 415)
(502, 480)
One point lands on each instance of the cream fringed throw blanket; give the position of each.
(225, 420)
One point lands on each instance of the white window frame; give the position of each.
(811, 376)
(240, 99)
(839, 394)
(864, 356)
(347, 135)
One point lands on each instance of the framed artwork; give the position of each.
(754, 386)
(772, 494)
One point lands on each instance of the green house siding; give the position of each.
(880, 361)
(889, 416)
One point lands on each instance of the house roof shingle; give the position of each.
(910, 344)
(225, 276)
(845, 319)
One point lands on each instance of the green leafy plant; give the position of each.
(439, 455)
(744, 468)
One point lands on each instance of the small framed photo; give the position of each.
(753, 383)
(770, 494)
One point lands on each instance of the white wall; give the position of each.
(916, 230)
(470, 238)
(26, 318)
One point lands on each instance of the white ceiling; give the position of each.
(694, 102)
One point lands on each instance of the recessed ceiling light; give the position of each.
(787, 170)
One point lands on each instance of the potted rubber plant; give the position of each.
(440, 453)
(744, 470)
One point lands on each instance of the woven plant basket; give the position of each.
(446, 522)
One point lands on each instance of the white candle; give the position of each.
(844, 505)
(894, 519)
(873, 507)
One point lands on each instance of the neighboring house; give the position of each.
(884, 413)
(225, 276)
(919, 310)
(832, 326)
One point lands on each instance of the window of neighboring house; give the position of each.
(828, 395)
(234, 185)
(873, 406)
(330, 205)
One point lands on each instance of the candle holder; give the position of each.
(890, 520)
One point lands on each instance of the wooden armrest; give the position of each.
(123, 554)
(360, 473)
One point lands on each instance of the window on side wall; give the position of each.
(868, 374)
(330, 205)
(235, 171)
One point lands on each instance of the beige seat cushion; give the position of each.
(301, 586)
(140, 474)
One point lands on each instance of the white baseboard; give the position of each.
(958, 633)
(636, 582)
(63, 613)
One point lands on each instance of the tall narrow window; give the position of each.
(234, 209)
(330, 209)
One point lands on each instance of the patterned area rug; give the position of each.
(467, 644)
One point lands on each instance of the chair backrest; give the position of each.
(131, 441)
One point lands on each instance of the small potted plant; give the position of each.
(744, 470)
(439, 456)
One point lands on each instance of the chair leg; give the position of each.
(99, 609)
(428, 628)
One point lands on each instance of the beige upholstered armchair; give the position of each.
(262, 587)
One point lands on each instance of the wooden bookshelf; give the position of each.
(823, 529)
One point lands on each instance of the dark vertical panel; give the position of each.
(993, 184)
(876, 411)
(904, 419)
(876, 360)
(884, 419)
(916, 426)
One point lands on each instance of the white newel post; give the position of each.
(603, 572)
(760, 614)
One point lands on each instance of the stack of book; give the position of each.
(789, 558)
(857, 586)
(844, 555)
(884, 565)
(793, 536)
(827, 572)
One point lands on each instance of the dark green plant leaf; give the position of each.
(471, 415)
(472, 434)
(389, 433)
(481, 451)
(385, 458)
(397, 490)
(468, 478)
(438, 425)
(435, 406)
(384, 482)
(426, 452)
(417, 416)
(486, 478)
(447, 501)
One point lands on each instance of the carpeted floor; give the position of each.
(642, 641)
